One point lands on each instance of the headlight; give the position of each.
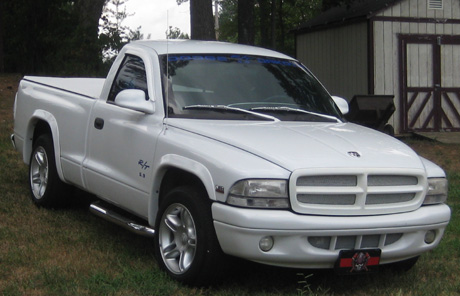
(259, 194)
(437, 191)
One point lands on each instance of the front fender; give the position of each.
(432, 169)
(182, 163)
(188, 165)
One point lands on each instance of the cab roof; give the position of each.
(180, 46)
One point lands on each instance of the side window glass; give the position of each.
(131, 75)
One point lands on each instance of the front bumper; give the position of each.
(240, 230)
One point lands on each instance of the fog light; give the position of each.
(430, 236)
(266, 243)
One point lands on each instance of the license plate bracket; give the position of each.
(358, 261)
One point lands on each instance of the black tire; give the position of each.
(45, 186)
(186, 245)
(389, 130)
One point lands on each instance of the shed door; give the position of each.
(430, 84)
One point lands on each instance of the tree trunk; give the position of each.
(281, 25)
(264, 23)
(2, 65)
(273, 19)
(89, 12)
(246, 31)
(201, 20)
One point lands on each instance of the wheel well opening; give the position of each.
(41, 128)
(177, 177)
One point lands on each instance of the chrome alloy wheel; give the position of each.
(39, 172)
(177, 238)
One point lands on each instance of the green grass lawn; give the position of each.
(71, 252)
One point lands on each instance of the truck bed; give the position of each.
(88, 87)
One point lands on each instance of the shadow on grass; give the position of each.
(257, 279)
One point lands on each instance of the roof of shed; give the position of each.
(356, 11)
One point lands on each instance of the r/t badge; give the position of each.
(144, 166)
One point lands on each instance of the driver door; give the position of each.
(121, 143)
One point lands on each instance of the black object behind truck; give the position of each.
(372, 111)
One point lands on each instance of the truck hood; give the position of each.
(297, 145)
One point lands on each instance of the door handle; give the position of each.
(99, 123)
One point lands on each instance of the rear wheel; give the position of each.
(186, 245)
(44, 183)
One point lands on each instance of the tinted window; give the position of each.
(130, 76)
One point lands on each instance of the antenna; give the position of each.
(168, 30)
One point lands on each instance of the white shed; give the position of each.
(406, 48)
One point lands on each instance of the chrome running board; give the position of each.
(98, 209)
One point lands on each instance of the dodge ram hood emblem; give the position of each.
(354, 154)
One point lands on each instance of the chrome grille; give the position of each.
(376, 199)
(385, 180)
(327, 181)
(344, 192)
(345, 242)
(323, 199)
(354, 241)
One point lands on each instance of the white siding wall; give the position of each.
(386, 69)
(338, 57)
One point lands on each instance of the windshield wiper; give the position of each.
(224, 108)
(294, 110)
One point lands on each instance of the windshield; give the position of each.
(240, 87)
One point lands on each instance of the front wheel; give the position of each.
(186, 245)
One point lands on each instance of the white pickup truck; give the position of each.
(221, 149)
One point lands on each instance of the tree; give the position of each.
(228, 23)
(328, 4)
(271, 21)
(113, 35)
(27, 40)
(54, 37)
(246, 29)
(264, 23)
(51, 37)
(201, 19)
(175, 33)
(2, 68)
(88, 13)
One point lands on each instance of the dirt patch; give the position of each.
(8, 89)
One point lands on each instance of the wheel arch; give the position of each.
(174, 171)
(40, 123)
